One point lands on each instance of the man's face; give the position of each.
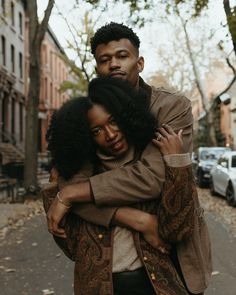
(119, 59)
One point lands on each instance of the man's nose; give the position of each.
(110, 133)
(114, 64)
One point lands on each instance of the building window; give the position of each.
(20, 23)
(3, 4)
(12, 14)
(51, 61)
(21, 65)
(12, 58)
(51, 94)
(3, 50)
(21, 122)
(12, 116)
(46, 88)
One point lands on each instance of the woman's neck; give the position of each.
(110, 162)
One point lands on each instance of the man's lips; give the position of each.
(117, 74)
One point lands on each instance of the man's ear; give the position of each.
(140, 64)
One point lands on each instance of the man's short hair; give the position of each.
(113, 31)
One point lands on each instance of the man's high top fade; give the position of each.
(113, 32)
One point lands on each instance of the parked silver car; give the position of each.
(223, 177)
(203, 161)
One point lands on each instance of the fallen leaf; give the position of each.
(7, 258)
(10, 270)
(48, 292)
(214, 273)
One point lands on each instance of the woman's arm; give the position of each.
(67, 241)
(142, 222)
(176, 209)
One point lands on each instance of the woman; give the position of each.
(120, 138)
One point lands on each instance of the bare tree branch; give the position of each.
(44, 24)
(231, 82)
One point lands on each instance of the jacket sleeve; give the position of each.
(144, 179)
(70, 224)
(88, 211)
(176, 209)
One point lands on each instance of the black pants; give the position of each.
(132, 283)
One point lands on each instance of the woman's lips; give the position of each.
(117, 146)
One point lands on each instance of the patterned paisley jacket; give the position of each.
(90, 246)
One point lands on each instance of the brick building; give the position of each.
(14, 68)
(12, 72)
(53, 72)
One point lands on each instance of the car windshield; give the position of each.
(211, 154)
(234, 161)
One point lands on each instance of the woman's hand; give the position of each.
(168, 141)
(55, 215)
(151, 235)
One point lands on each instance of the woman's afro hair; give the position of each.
(129, 107)
(68, 136)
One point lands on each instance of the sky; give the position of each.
(152, 35)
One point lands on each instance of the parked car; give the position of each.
(203, 161)
(223, 177)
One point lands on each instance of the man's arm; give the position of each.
(144, 179)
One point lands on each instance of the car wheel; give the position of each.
(200, 180)
(230, 195)
(212, 188)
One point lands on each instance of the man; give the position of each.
(116, 50)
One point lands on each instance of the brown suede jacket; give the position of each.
(139, 183)
(90, 246)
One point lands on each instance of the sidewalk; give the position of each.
(13, 215)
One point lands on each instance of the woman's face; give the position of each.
(106, 132)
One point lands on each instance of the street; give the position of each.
(31, 263)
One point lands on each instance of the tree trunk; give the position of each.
(31, 140)
(200, 87)
(211, 128)
(231, 21)
(36, 34)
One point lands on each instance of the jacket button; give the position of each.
(100, 236)
(145, 258)
(153, 276)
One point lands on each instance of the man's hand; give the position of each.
(151, 235)
(168, 141)
(55, 215)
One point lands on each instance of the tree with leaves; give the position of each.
(187, 10)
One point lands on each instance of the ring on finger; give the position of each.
(159, 137)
